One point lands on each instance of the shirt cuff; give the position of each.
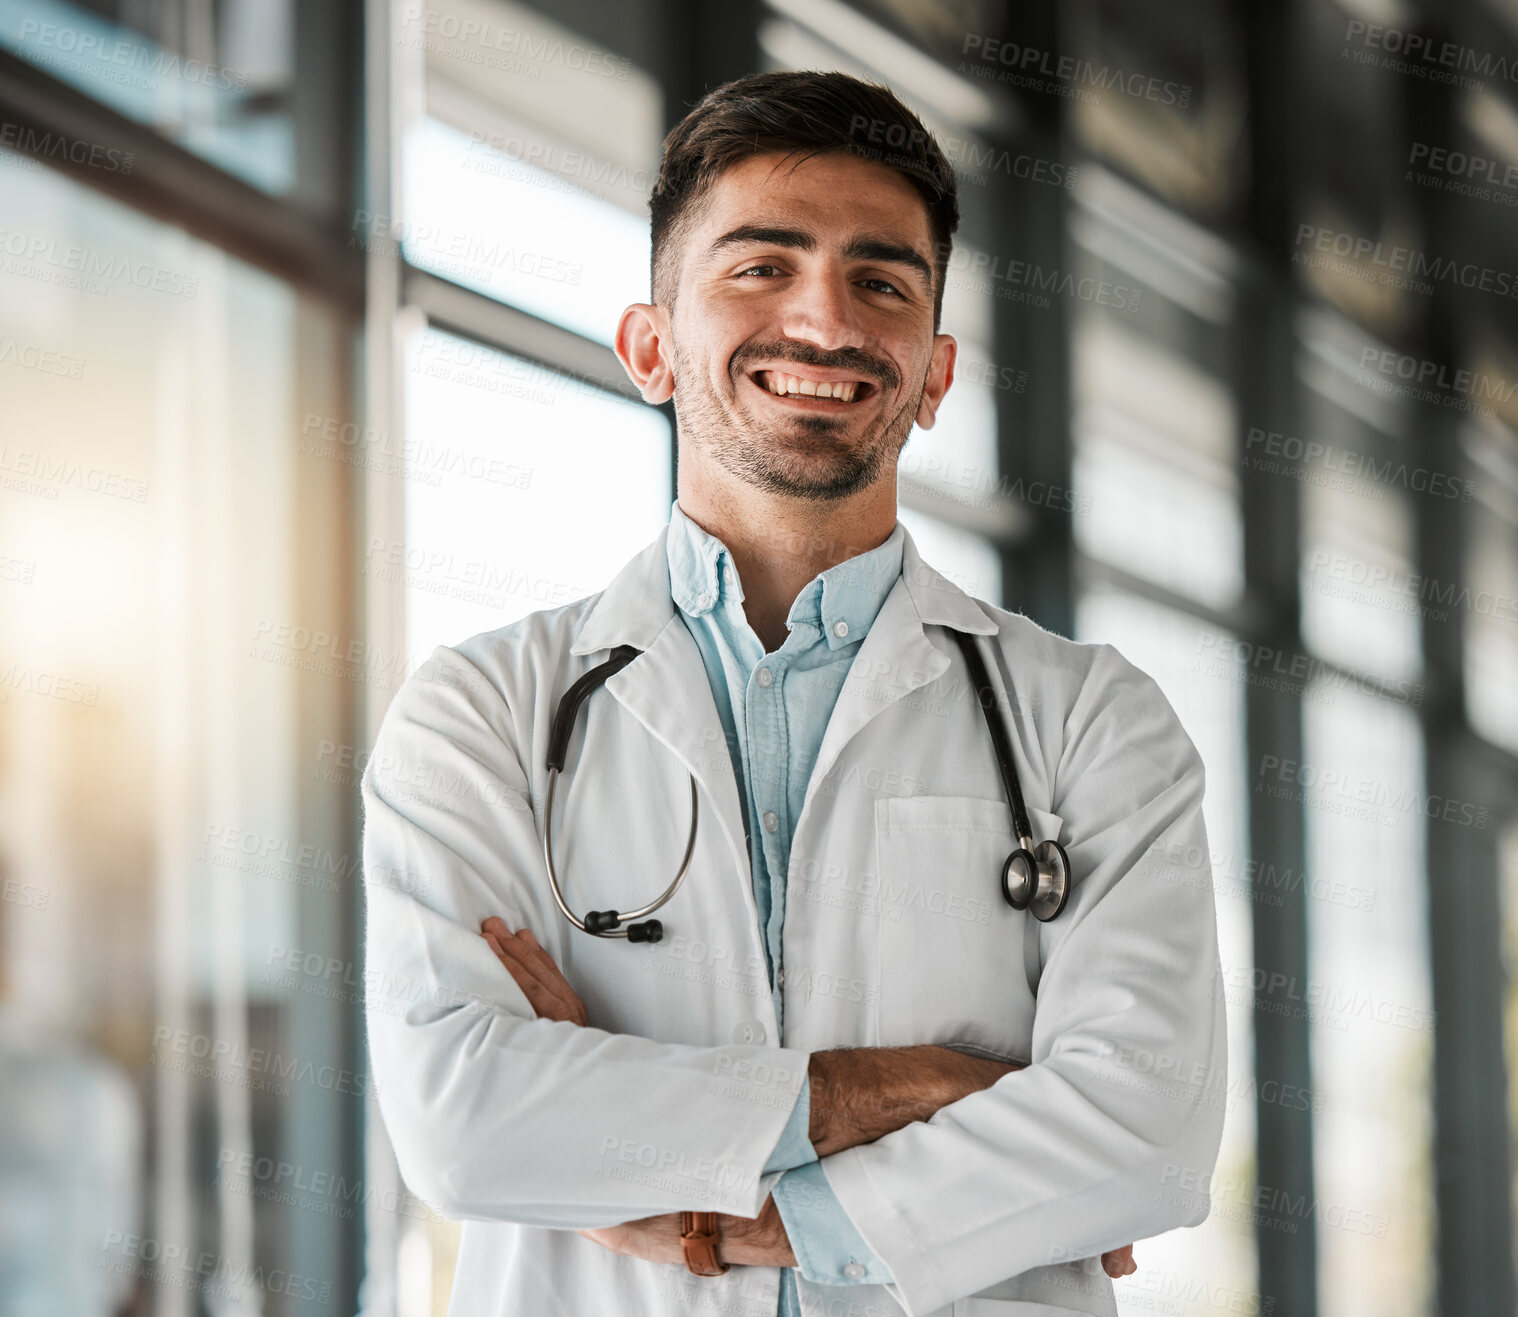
(794, 1148)
(829, 1251)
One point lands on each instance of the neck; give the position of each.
(780, 543)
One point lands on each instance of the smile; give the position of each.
(836, 392)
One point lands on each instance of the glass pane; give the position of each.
(522, 234)
(1368, 1000)
(1362, 601)
(172, 871)
(217, 79)
(1507, 877)
(1490, 603)
(956, 460)
(1201, 674)
(517, 499)
(968, 560)
(1153, 465)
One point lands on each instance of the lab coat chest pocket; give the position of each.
(952, 955)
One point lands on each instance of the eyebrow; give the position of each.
(861, 247)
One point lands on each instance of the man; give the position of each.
(922, 1136)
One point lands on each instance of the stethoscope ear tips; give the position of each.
(602, 922)
(1038, 880)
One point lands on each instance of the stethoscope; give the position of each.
(1035, 877)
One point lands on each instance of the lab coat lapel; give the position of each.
(897, 657)
(666, 688)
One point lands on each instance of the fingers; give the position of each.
(534, 971)
(541, 982)
(1119, 1262)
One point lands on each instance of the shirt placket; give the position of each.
(768, 771)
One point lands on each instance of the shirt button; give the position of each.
(705, 601)
(780, 979)
(765, 676)
(749, 1031)
(771, 820)
(854, 1271)
(841, 629)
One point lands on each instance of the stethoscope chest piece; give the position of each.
(1037, 880)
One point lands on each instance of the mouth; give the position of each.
(812, 393)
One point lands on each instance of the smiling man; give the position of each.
(853, 1075)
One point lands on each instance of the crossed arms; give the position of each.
(858, 1096)
(499, 1111)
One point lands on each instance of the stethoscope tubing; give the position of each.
(1043, 870)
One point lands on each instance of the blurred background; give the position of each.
(305, 314)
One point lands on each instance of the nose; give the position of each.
(821, 309)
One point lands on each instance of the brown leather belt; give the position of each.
(699, 1237)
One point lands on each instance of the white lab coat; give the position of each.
(895, 933)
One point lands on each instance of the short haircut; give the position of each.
(803, 114)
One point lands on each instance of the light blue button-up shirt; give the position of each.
(775, 709)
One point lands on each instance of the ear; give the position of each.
(642, 334)
(940, 376)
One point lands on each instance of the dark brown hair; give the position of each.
(802, 114)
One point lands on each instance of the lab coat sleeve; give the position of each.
(496, 1114)
(1110, 1134)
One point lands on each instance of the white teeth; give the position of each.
(783, 384)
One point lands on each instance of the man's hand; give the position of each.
(842, 1096)
(761, 1242)
(535, 972)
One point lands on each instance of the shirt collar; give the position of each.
(841, 602)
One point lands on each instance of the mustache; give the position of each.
(853, 360)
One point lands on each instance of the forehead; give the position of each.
(832, 194)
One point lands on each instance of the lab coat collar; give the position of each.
(666, 688)
(637, 605)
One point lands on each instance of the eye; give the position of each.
(752, 268)
(885, 283)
